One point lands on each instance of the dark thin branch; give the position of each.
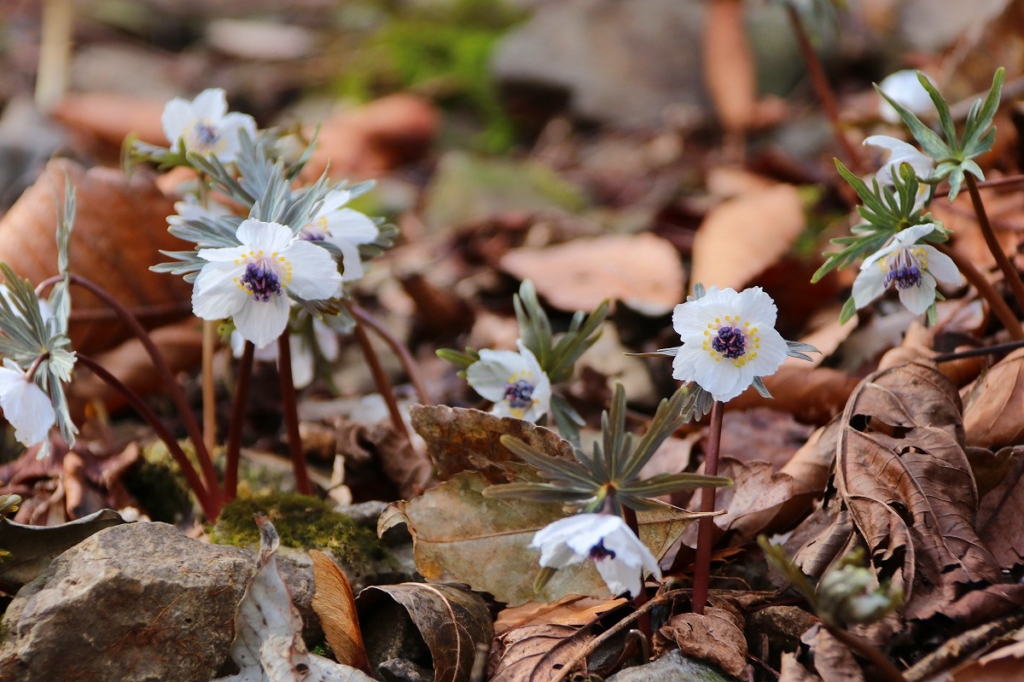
(1009, 271)
(234, 447)
(380, 377)
(986, 291)
(397, 347)
(706, 525)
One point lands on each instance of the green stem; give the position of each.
(1009, 272)
(210, 506)
(706, 525)
(234, 446)
(290, 405)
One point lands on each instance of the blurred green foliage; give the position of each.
(442, 50)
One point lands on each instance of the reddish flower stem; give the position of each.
(398, 348)
(824, 91)
(208, 503)
(1009, 272)
(706, 525)
(234, 446)
(986, 291)
(177, 395)
(290, 406)
(380, 377)
(887, 671)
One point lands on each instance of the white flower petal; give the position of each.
(229, 253)
(351, 263)
(262, 322)
(210, 104)
(942, 266)
(175, 118)
(352, 226)
(25, 405)
(327, 339)
(757, 307)
(492, 372)
(216, 294)
(314, 272)
(912, 234)
(270, 237)
(904, 87)
(918, 299)
(869, 285)
(303, 362)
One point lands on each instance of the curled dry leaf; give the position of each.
(460, 535)
(742, 237)
(906, 483)
(460, 439)
(992, 407)
(335, 604)
(268, 644)
(642, 271)
(452, 621)
(32, 548)
(570, 610)
(792, 670)
(539, 653)
(715, 636)
(833, 660)
(120, 225)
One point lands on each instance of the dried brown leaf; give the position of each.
(111, 117)
(538, 653)
(903, 476)
(335, 604)
(762, 434)
(641, 270)
(573, 610)
(832, 659)
(1001, 514)
(460, 439)
(716, 637)
(793, 671)
(120, 226)
(452, 621)
(993, 414)
(811, 395)
(741, 238)
(729, 70)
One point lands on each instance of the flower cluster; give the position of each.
(287, 253)
(37, 355)
(895, 241)
(520, 384)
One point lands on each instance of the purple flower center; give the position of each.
(905, 270)
(261, 281)
(519, 395)
(599, 551)
(205, 133)
(731, 342)
(311, 236)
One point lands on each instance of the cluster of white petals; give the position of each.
(911, 267)
(25, 405)
(344, 227)
(514, 382)
(250, 283)
(303, 358)
(605, 539)
(205, 126)
(729, 339)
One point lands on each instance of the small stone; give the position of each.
(672, 667)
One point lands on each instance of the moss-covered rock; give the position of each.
(304, 523)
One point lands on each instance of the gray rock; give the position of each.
(136, 603)
(672, 667)
(622, 61)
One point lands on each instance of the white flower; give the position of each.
(346, 228)
(912, 267)
(191, 209)
(205, 126)
(303, 360)
(907, 91)
(729, 339)
(25, 405)
(251, 282)
(900, 152)
(617, 552)
(514, 382)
